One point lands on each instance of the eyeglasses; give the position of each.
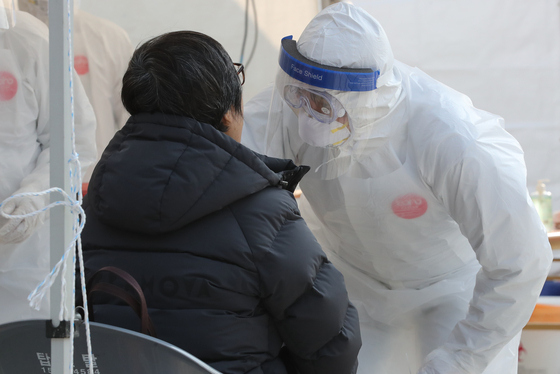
(240, 69)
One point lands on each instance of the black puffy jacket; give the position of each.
(212, 233)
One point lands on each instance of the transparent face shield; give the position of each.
(322, 119)
(316, 111)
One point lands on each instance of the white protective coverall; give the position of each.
(424, 209)
(102, 51)
(25, 158)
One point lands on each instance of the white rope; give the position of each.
(38, 294)
(78, 213)
(76, 190)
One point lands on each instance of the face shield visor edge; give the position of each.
(309, 87)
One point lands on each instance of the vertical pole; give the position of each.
(61, 218)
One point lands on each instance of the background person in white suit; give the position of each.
(102, 51)
(25, 159)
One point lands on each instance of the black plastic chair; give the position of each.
(24, 348)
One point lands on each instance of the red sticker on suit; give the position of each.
(81, 64)
(8, 86)
(409, 206)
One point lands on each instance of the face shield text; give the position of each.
(306, 73)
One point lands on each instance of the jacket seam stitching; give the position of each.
(251, 249)
(284, 219)
(313, 280)
(237, 147)
(97, 203)
(248, 245)
(207, 187)
(173, 172)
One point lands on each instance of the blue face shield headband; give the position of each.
(323, 76)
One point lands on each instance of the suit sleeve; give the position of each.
(485, 192)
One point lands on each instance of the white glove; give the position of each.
(440, 361)
(17, 230)
(439, 368)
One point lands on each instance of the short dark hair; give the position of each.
(183, 73)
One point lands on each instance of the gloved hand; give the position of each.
(440, 361)
(17, 230)
(440, 367)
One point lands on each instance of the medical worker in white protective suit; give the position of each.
(417, 197)
(102, 51)
(25, 158)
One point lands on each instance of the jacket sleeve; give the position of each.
(485, 192)
(307, 298)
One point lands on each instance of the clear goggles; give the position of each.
(320, 105)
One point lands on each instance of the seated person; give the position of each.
(209, 229)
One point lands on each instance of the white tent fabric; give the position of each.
(224, 20)
(504, 55)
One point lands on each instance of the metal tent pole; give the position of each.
(60, 152)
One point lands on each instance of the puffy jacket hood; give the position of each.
(161, 172)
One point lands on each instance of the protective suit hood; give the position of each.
(345, 36)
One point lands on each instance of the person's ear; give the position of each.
(234, 122)
(228, 118)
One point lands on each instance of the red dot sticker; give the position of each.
(8, 86)
(81, 65)
(409, 206)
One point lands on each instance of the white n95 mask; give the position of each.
(320, 134)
